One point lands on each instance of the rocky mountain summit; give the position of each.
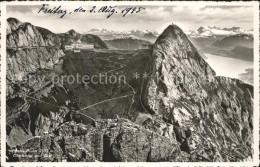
(181, 112)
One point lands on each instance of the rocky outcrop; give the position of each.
(31, 119)
(73, 37)
(12, 25)
(108, 140)
(27, 61)
(72, 32)
(184, 91)
(26, 35)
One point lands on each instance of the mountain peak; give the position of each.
(173, 41)
(173, 28)
(171, 31)
(72, 32)
(188, 88)
(12, 24)
(14, 20)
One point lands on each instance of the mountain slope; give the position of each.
(235, 40)
(150, 37)
(183, 96)
(72, 36)
(243, 53)
(127, 43)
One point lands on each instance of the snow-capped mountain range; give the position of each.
(132, 32)
(216, 32)
(135, 34)
(151, 35)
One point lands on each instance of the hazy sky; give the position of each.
(151, 18)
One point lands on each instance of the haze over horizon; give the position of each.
(219, 16)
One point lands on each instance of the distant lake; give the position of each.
(226, 66)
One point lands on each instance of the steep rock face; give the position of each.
(184, 91)
(30, 49)
(178, 70)
(27, 61)
(33, 55)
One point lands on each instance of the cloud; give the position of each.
(22, 9)
(153, 17)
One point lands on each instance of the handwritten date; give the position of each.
(109, 10)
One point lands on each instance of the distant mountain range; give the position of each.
(151, 35)
(239, 46)
(133, 32)
(244, 40)
(111, 34)
(216, 32)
